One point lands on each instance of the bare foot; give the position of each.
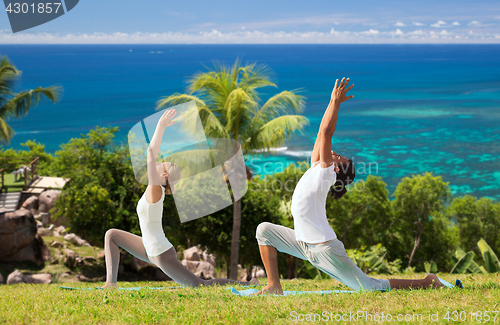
(267, 290)
(110, 285)
(434, 280)
(254, 281)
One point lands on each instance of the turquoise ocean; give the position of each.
(416, 108)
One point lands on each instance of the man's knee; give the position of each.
(263, 230)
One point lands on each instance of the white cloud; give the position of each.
(439, 24)
(417, 32)
(370, 24)
(456, 23)
(418, 24)
(371, 32)
(399, 24)
(474, 23)
(252, 37)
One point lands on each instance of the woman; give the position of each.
(313, 239)
(154, 247)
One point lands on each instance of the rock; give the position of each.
(153, 273)
(260, 274)
(210, 258)
(1, 278)
(51, 227)
(30, 203)
(44, 232)
(45, 218)
(39, 224)
(87, 260)
(16, 277)
(47, 200)
(42, 278)
(17, 230)
(257, 272)
(69, 258)
(54, 260)
(202, 269)
(101, 255)
(61, 230)
(36, 252)
(56, 244)
(193, 253)
(83, 278)
(75, 240)
(66, 275)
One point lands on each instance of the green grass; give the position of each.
(42, 304)
(11, 185)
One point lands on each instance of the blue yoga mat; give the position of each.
(248, 292)
(458, 284)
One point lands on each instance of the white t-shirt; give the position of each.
(309, 205)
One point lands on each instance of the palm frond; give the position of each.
(6, 132)
(8, 77)
(275, 132)
(284, 103)
(254, 77)
(21, 103)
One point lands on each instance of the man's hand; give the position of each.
(339, 93)
(166, 118)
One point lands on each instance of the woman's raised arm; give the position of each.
(154, 147)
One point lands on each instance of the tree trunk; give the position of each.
(415, 246)
(289, 266)
(226, 259)
(249, 272)
(235, 240)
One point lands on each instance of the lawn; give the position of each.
(42, 304)
(11, 184)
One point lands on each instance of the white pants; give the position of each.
(329, 257)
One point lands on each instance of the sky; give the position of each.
(267, 21)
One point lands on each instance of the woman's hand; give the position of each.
(339, 91)
(166, 118)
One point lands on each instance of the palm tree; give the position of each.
(17, 105)
(229, 107)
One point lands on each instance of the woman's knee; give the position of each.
(110, 234)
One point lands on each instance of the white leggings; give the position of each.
(167, 261)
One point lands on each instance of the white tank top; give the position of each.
(150, 216)
(309, 205)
